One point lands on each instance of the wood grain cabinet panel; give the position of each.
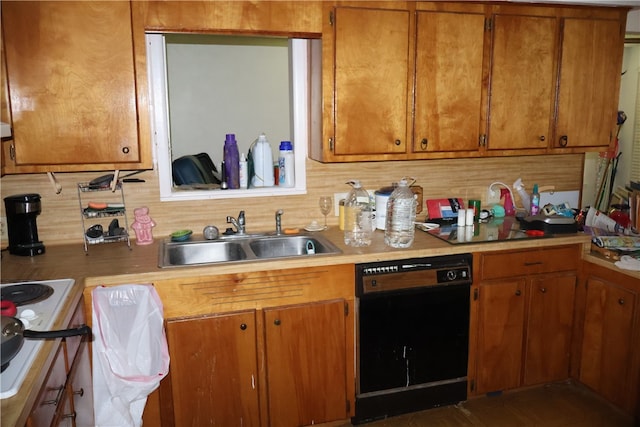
(448, 80)
(524, 318)
(522, 81)
(306, 363)
(589, 82)
(214, 372)
(72, 92)
(370, 93)
(610, 351)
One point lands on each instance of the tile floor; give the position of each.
(554, 405)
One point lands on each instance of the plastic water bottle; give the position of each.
(243, 172)
(358, 216)
(232, 161)
(262, 163)
(401, 214)
(285, 164)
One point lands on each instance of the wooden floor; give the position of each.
(554, 405)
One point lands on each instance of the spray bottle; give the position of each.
(524, 196)
(509, 209)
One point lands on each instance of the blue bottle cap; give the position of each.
(286, 145)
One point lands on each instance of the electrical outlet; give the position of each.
(3, 228)
(336, 202)
(493, 196)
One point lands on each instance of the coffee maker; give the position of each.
(22, 210)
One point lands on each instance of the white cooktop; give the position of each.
(46, 311)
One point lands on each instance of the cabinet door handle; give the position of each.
(125, 150)
(564, 140)
(518, 293)
(621, 301)
(532, 263)
(424, 143)
(543, 290)
(398, 142)
(277, 322)
(542, 138)
(71, 415)
(79, 392)
(243, 326)
(55, 401)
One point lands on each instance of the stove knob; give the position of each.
(451, 275)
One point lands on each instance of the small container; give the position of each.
(469, 218)
(462, 217)
(535, 201)
(243, 172)
(232, 161)
(286, 165)
(341, 215)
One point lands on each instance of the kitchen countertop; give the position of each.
(114, 264)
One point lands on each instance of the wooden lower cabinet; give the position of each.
(215, 363)
(265, 348)
(523, 318)
(609, 361)
(66, 398)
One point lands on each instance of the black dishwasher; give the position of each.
(412, 335)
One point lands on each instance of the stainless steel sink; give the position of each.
(285, 246)
(202, 252)
(242, 249)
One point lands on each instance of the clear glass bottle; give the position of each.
(401, 214)
(358, 216)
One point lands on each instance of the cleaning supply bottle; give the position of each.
(401, 214)
(285, 164)
(524, 196)
(358, 216)
(232, 161)
(535, 201)
(509, 209)
(262, 163)
(243, 172)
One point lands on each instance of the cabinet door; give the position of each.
(549, 325)
(607, 340)
(70, 68)
(589, 82)
(522, 82)
(449, 80)
(214, 370)
(500, 335)
(371, 74)
(306, 363)
(52, 394)
(81, 388)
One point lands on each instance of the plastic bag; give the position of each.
(130, 353)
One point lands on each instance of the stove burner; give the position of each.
(26, 293)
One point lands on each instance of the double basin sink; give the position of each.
(243, 248)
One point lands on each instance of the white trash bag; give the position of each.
(130, 354)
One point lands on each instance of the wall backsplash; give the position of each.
(60, 221)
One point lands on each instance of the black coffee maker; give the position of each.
(22, 210)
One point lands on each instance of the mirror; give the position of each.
(205, 86)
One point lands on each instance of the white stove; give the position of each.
(38, 316)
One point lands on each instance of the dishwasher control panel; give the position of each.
(413, 273)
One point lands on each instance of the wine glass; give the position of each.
(326, 203)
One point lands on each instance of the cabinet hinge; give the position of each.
(331, 18)
(472, 385)
(487, 24)
(330, 144)
(482, 141)
(348, 406)
(475, 294)
(346, 309)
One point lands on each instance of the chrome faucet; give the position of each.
(239, 224)
(279, 213)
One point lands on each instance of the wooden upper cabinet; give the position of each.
(590, 71)
(368, 95)
(448, 80)
(522, 81)
(71, 78)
